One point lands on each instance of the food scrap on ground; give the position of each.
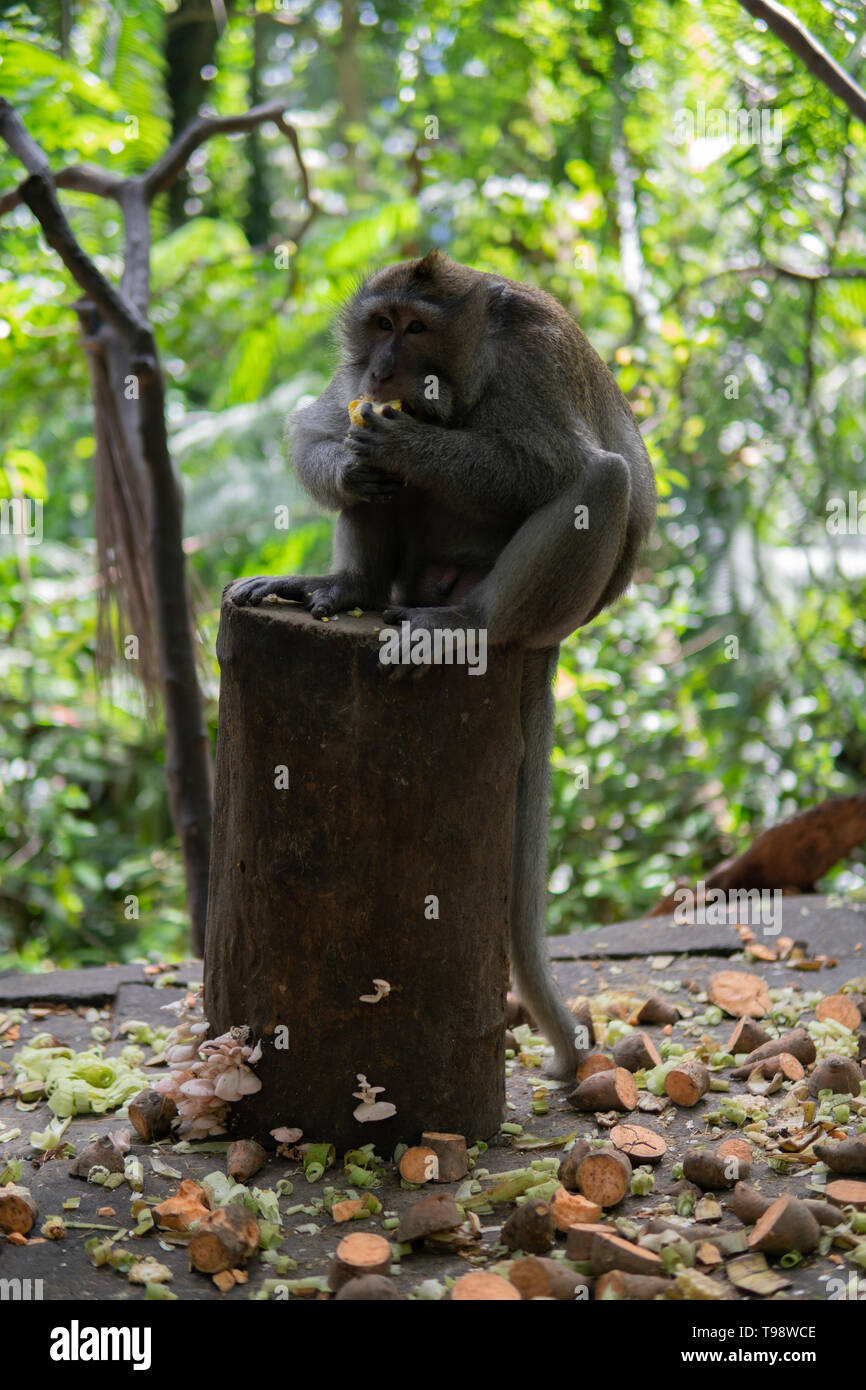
(711, 1146)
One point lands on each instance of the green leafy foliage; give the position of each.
(607, 151)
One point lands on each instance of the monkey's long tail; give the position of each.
(530, 965)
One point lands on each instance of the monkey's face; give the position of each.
(400, 350)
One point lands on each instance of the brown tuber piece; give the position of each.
(593, 1063)
(736, 1147)
(614, 1252)
(369, 1288)
(606, 1090)
(709, 1169)
(841, 1008)
(604, 1177)
(640, 1145)
(151, 1114)
(740, 994)
(531, 1228)
(841, 1075)
(578, 1240)
(786, 1225)
(656, 1010)
(572, 1209)
(847, 1157)
(18, 1210)
(570, 1165)
(358, 1255)
(784, 1062)
(99, 1153)
(618, 1284)
(244, 1159)
(798, 1043)
(348, 1210)
(450, 1150)
(748, 1204)
(747, 1035)
(181, 1212)
(484, 1288)
(225, 1239)
(845, 1193)
(536, 1277)
(687, 1082)
(429, 1216)
(419, 1165)
(636, 1052)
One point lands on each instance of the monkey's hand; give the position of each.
(383, 440)
(368, 483)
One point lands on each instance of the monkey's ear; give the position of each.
(429, 265)
(499, 300)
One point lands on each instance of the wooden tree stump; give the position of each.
(386, 858)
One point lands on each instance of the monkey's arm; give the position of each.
(330, 471)
(505, 464)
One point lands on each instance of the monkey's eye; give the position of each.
(416, 327)
(385, 324)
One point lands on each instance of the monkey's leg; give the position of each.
(554, 572)
(570, 558)
(365, 560)
(529, 960)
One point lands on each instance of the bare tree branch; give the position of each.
(188, 768)
(808, 277)
(38, 193)
(166, 169)
(88, 179)
(126, 311)
(786, 26)
(80, 178)
(20, 141)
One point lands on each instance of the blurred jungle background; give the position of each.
(685, 186)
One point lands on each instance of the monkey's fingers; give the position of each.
(374, 484)
(250, 592)
(373, 419)
(364, 443)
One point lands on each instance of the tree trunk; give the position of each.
(387, 858)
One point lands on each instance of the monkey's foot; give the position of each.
(563, 1067)
(433, 635)
(322, 597)
(453, 617)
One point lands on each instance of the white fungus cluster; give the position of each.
(206, 1077)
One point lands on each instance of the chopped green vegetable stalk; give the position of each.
(541, 1192)
(79, 1083)
(145, 1222)
(270, 1235)
(11, 1172)
(317, 1158)
(642, 1182)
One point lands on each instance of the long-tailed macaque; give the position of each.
(512, 492)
